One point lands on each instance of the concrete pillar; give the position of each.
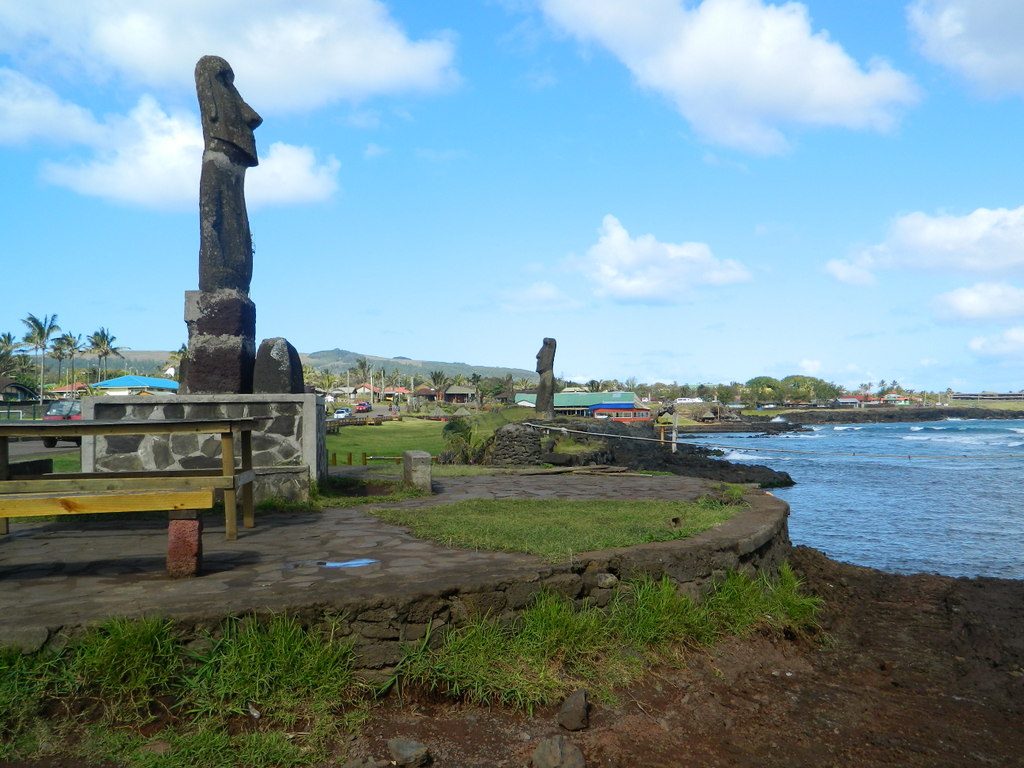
(416, 470)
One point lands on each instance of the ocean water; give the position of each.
(939, 497)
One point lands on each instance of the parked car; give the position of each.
(341, 413)
(363, 407)
(63, 410)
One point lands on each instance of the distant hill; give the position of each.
(152, 362)
(340, 360)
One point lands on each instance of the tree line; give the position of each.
(759, 390)
(49, 340)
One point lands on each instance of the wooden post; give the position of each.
(227, 456)
(5, 474)
(364, 458)
(334, 459)
(248, 506)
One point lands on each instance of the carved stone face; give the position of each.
(546, 356)
(226, 117)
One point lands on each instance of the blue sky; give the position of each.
(675, 191)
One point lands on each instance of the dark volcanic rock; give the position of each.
(884, 415)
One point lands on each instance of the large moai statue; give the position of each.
(220, 316)
(546, 389)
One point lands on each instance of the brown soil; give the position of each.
(908, 671)
(918, 671)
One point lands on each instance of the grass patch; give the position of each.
(254, 693)
(391, 438)
(556, 646)
(67, 462)
(556, 530)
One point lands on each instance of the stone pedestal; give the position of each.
(221, 342)
(289, 450)
(416, 470)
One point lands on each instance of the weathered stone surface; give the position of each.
(278, 368)
(184, 547)
(416, 470)
(24, 639)
(557, 752)
(225, 312)
(407, 753)
(516, 445)
(545, 406)
(574, 714)
(225, 250)
(220, 365)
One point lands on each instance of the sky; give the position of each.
(674, 190)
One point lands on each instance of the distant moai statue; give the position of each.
(546, 389)
(220, 316)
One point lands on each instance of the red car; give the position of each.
(63, 410)
(363, 407)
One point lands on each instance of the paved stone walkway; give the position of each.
(82, 569)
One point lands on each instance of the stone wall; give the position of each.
(754, 541)
(289, 452)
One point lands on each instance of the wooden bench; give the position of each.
(104, 492)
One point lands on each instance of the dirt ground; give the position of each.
(915, 671)
(919, 671)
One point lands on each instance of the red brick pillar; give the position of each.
(184, 543)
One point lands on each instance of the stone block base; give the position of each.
(416, 470)
(184, 547)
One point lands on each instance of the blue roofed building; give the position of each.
(137, 385)
(618, 406)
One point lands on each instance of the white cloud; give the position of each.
(287, 58)
(982, 301)
(740, 70)
(149, 158)
(848, 272)
(538, 296)
(810, 367)
(978, 39)
(644, 270)
(986, 241)
(30, 111)
(152, 158)
(374, 150)
(1010, 343)
(291, 175)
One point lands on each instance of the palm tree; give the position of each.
(438, 380)
(101, 344)
(59, 352)
(363, 369)
(73, 342)
(9, 363)
(38, 337)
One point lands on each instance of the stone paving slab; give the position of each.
(80, 570)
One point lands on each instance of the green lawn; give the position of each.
(556, 530)
(391, 438)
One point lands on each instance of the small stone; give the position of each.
(606, 580)
(575, 712)
(408, 753)
(24, 639)
(557, 752)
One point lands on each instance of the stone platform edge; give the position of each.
(380, 624)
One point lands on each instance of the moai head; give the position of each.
(228, 122)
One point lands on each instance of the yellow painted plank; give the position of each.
(112, 483)
(34, 505)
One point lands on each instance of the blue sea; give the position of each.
(948, 496)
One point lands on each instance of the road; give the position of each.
(33, 449)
